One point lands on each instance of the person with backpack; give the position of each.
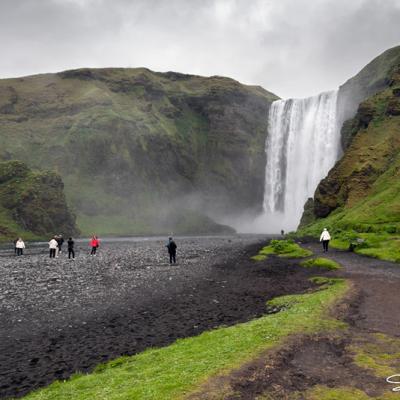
(94, 244)
(171, 246)
(71, 251)
(325, 238)
(20, 245)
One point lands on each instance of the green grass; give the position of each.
(282, 248)
(320, 392)
(320, 262)
(381, 355)
(173, 371)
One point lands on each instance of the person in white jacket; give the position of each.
(20, 245)
(53, 246)
(325, 238)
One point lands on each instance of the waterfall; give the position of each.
(303, 144)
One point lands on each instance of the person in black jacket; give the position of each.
(60, 241)
(71, 251)
(171, 246)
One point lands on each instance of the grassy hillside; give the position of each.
(32, 204)
(360, 197)
(135, 146)
(373, 78)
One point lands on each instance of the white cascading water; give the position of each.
(302, 146)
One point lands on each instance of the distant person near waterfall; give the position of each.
(325, 238)
(94, 244)
(171, 246)
(60, 241)
(20, 245)
(53, 246)
(71, 251)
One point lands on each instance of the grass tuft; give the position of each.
(282, 248)
(320, 262)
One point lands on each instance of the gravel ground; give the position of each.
(60, 316)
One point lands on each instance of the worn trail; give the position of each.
(329, 362)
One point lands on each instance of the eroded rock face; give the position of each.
(34, 200)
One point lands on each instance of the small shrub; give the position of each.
(391, 229)
(283, 248)
(320, 262)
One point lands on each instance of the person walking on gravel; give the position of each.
(94, 244)
(20, 245)
(325, 238)
(71, 251)
(171, 246)
(53, 246)
(60, 241)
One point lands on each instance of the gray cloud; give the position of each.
(294, 48)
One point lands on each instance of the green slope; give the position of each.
(360, 197)
(135, 145)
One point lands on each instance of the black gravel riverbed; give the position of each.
(60, 316)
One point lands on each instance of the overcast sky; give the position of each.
(294, 48)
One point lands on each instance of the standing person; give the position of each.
(20, 245)
(325, 238)
(60, 241)
(71, 251)
(171, 246)
(53, 246)
(94, 244)
(15, 246)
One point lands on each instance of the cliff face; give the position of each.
(362, 191)
(134, 146)
(373, 78)
(32, 203)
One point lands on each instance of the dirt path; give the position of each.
(357, 359)
(60, 316)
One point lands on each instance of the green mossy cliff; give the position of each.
(362, 191)
(134, 146)
(32, 204)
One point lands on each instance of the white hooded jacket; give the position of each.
(53, 244)
(325, 235)
(20, 244)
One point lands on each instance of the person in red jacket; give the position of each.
(94, 244)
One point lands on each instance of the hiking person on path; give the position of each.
(171, 246)
(60, 241)
(71, 251)
(325, 238)
(53, 247)
(20, 245)
(94, 244)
